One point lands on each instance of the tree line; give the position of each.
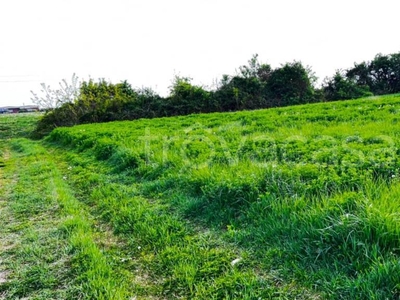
(254, 86)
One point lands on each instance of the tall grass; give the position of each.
(309, 192)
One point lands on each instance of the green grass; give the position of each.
(17, 125)
(304, 199)
(54, 254)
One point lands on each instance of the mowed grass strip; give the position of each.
(49, 250)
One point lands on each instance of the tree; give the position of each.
(100, 101)
(290, 84)
(340, 87)
(245, 90)
(103, 101)
(186, 98)
(146, 104)
(51, 99)
(381, 75)
(360, 74)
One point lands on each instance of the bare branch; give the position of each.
(50, 98)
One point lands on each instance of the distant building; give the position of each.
(18, 109)
(28, 108)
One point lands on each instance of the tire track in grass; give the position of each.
(32, 265)
(133, 285)
(55, 256)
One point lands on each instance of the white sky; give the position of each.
(148, 41)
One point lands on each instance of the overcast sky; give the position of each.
(148, 41)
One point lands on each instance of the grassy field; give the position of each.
(291, 203)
